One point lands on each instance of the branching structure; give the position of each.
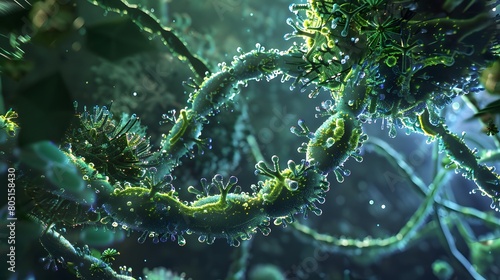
(399, 61)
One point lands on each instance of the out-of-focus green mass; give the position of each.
(195, 139)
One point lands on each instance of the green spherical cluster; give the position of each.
(8, 127)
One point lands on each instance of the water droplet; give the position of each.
(143, 237)
(202, 238)
(265, 231)
(317, 211)
(338, 175)
(292, 185)
(392, 131)
(180, 240)
(493, 205)
(330, 142)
